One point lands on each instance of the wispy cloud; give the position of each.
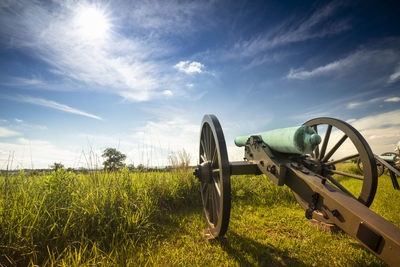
(392, 99)
(33, 153)
(300, 74)
(355, 64)
(131, 66)
(174, 134)
(318, 25)
(4, 132)
(395, 76)
(382, 131)
(358, 104)
(337, 108)
(189, 67)
(21, 81)
(54, 105)
(171, 17)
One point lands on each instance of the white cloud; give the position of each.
(54, 105)
(353, 105)
(33, 153)
(373, 101)
(21, 81)
(395, 76)
(18, 120)
(318, 25)
(378, 121)
(392, 99)
(199, 96)
(168, 17)
(135, 96)
(381, 131)
(4, 132)
(127, 67)
(170, 135)
(189, 67)
(300, 74)
(167, 92)
(356, 64)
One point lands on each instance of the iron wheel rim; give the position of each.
(216, 194)
(369, 178)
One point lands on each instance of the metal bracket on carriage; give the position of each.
(255, 150)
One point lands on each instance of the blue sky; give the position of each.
(79, 76)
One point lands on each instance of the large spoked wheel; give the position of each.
(379, 167)
(392, 154)
(214, 175)
(341, 143)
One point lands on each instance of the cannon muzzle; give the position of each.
(391, 158)
(297, 140)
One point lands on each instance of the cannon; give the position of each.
(302, 159)
(388, 162)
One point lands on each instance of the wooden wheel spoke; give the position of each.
(204, 188)
(216, 204)
(205, 140)
(203, 147)
(214, 159)
(210, 207)
(338, 185)
(325, 143)
(204, 143)
(333, 150)
(206, 197)
(342, 159)
(358, 177)
(216, 184)
(330, 147)
(210, 137)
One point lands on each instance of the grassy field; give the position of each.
(142, 218)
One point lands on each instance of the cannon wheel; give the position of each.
(215, 191)
(322, 156)
(391, 154)
(380, 167)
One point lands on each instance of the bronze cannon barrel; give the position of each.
(297, 140)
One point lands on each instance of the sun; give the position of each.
(91, 23)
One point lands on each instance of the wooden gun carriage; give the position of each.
(299, 158)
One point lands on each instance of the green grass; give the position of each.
(156, 218)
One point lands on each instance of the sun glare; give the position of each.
(91, 23)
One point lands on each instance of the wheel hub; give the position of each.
(204, 172)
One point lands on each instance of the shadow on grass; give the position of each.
(252, 253)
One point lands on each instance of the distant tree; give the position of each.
(57, 166)
(140, 167)
(131, 166)
(114, 159)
